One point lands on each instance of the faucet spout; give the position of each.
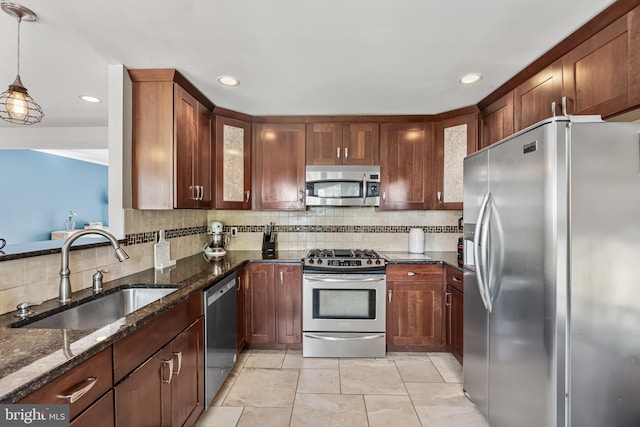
(65, 283)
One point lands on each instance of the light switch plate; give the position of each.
(234, 231)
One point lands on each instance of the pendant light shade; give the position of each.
(16, 106)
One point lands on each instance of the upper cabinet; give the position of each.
(601, 76)
(496, 120)
(343, 144)
(454, 139)
(171, 145)
(233, 163)
(538, 98)
(406, 156)
(279, 166)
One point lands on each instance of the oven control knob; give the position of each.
(311, 261)
(377, 262)
(319, 261)
(369, 261)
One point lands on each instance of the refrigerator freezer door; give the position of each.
(520, 277)
(475, 341)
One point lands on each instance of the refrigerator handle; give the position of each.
(484, 244)
(476, 250)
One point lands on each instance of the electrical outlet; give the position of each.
(234, 231)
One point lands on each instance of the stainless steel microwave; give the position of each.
(343, 186)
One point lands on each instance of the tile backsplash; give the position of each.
(36, 279)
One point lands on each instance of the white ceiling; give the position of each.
(292, 57)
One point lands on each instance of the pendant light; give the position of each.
(16, 106)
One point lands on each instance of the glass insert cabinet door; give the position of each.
(233, 163)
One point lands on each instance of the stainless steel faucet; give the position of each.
(65, 284)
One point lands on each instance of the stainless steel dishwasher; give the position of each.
(219, 334)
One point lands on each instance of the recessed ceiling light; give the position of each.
(89, 98)
(228, 81)
(469, 79)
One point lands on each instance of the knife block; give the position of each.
(268, 245)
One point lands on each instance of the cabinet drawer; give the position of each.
(94, 375)
(455, 278)
(414, 273)
(100, 414)
(135, 348)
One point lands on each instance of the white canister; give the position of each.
(416, 241)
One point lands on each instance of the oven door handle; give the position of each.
(327, 338)
(363, 279)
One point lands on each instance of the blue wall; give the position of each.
(37, 191)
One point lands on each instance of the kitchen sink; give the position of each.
(100, 312)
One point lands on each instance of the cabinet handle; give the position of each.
(301, 199)
(447, 298)
(564, 105)
(170, 364)
(179, 356)
(346, 153)
(201, 192)
(413, 273)
(554, 105)
(338, 152)
(247, 194)
(282, 277)
(456, 279)
(191, 190)
(384, 196)
(79, 390)
(439, 196)
(389, 293)
(238, 286)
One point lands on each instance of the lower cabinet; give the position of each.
(454, 312)
(167, 389)
(414, 307)
(100, 414)
(273, 303)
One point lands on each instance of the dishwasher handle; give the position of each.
(213, 297)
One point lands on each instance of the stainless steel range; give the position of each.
(343, 308)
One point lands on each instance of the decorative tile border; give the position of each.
(345, 228)
(152, 236)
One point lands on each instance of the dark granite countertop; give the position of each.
(30, 358)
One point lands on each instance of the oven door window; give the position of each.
(335, 189)
(344, 303)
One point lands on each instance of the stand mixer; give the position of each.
(219, 240)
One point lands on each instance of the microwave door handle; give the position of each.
(364, 188)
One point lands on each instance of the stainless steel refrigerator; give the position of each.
(552, 290)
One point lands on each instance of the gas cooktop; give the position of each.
(343, 259)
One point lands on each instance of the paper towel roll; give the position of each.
(416, 241)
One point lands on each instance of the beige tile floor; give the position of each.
(282, 389)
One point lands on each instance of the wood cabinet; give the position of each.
(406, 162)
(100, 414)
(496, 120)
(241, 330)
(601, 75)
(80, 387)
(273, 303)
(414, 307)
(172, 144)
(454, 311)
(233, 163)
(343, 144)
(454, 139)
(534, 98)
(159, 369)
(279, 166)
